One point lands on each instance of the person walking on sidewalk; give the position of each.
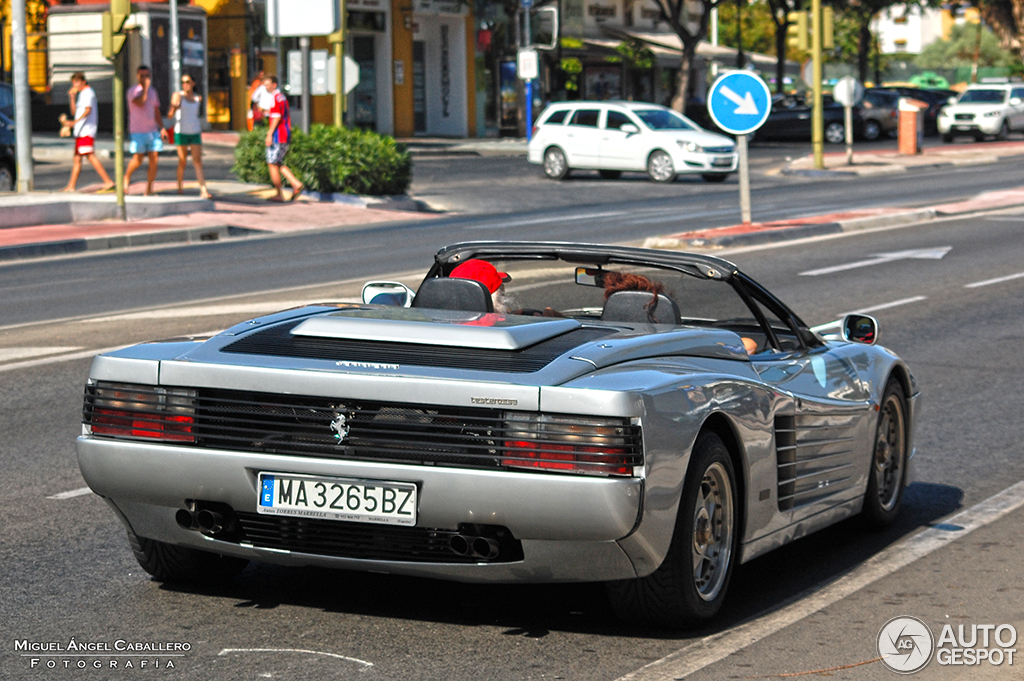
(85, 118)
(279, 136)
(188, 131)
(145, 127)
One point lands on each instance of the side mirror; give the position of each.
(629, 129)
(860, 328)
(951, 100)
(391, 293)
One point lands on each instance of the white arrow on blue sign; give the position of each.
(739, 102)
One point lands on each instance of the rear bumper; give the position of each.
(569, 526)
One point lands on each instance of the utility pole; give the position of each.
(22, 105)
(113, 42)
(818, 112)
(304, 97)
(174, 47)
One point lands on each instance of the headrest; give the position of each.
(454, 294)
(632, 306)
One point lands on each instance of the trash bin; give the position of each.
(910, 129)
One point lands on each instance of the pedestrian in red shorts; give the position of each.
(85, 117)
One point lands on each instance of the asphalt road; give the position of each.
(68, 573)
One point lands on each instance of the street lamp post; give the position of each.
(22, 105)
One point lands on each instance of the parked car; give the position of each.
(613, 137)
(879, 109)
(936, 99)
(989, 110)
(8, 158)
(651, 439)
(791, 119)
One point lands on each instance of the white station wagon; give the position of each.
(633, 136)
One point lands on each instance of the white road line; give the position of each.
(226, 651)
(711, 649)
(997, 280)
(53, 360)
(10, 354)
(209, 310)
(885, 306)
(80, 492)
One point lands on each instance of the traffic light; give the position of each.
(796, 31)
(113, 23)
(827, 27)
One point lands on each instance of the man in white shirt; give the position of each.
(85, 118)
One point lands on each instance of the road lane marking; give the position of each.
(227, 651)
(882, 258)
(711, 649)
(885, 306)
(997, 280)
(11, 354)
(81, 491)
(209, 310)
(14, 366)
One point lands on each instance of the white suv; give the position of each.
(615, 136)
(984, 110)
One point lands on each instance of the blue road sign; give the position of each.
(739, 102)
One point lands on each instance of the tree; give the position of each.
(959, 49)
(861, 12)
(689, 20)
(758, 17)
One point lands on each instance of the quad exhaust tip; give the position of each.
(475, 547)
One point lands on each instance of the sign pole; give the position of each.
(119, 134)
(848, 122)
(744, 173)
(818, 112)
(22, 104)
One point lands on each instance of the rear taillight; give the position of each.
(570, 444)
(140, 411)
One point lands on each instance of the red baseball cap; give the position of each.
(482, 271)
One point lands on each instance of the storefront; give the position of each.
(369, 44)
(440, 68)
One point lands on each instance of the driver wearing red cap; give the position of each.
(488, 275)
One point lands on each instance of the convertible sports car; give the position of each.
(643, 418)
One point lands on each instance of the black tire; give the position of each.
(872, 130)
(556, 165)
(168, 563)
(610, 174)
(660, 167)
(690, 585)
(947, 138)
(6, 178)
(835, 133)
(888, 460)
(715, 177)
(1004, 132)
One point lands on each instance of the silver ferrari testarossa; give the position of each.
(535, 412)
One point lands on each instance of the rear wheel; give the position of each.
(872, 130)
(556, 166)
(169, 563)
(1004, 131)
(889, 460)
(610, 174)
(660, 167)
(691, 583)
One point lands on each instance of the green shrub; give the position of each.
(331, 159)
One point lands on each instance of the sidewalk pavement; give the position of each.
(240, 209)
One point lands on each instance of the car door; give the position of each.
(582, 138)
(1017, 120)
(823, 436)
(621, 150)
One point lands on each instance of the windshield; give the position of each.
(664, 119)
(983, 97)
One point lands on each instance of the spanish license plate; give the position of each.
(722, 162)
(963, 127)
(361, 501)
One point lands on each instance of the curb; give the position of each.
(79, 246)
(398, 203)
(53, 209)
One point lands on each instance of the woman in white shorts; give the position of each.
(188, 131)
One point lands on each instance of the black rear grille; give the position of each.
(279, 342)
(368, 541)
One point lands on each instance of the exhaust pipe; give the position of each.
(485, 547)
(186, 519)
(210, 522)
(459, 544)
